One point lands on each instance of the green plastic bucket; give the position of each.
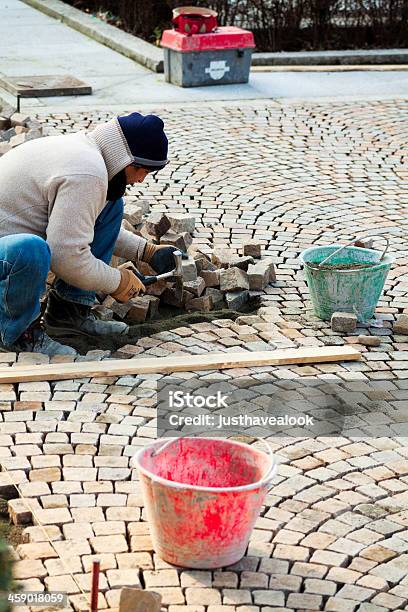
(356, 291)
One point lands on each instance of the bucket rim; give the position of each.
(386, 262)
(263, 481)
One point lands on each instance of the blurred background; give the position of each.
(278, 25)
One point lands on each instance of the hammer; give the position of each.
(176, 273)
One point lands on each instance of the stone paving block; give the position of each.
(196, 287)
(87, 515)
(20, 510)
(309, 570)
(304, 601)
(401, 325)
(206, 597)
(38, 550)
(236, 299)
(64, 583)
(196, 578)
(328, 558)
(82, 500)
(41, 534)
(74, 531)
(58, 567)
(343, 322)
(29, 569)
(123, 577)
(292, 553)
(392, 571)
(79, 474)
(66, 488)
(356, 593)
(67, 548)
(220, 579)
(109, 528)
(254, 580)
(211, 277)
(252, 248)
(181, 222)
(182, 241)
(378, 552)
(203, 304)
(141, 543)
(236, 596)
(320, 587)
(221, 257)
(134, 561)
(274, 566)
(109, 544)
(170, 595)
(157, 224)
(85, 582)
(269, 598)
(107, 561)
(285, 582)
(162, 578)
(233, 279)
(122, 513)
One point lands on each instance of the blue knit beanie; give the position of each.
(146, 139)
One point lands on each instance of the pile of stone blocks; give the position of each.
(16, 128)
(211, 281)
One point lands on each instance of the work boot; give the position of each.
(35, 340)
(63, 318)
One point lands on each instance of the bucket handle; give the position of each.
(271, 473)
(353, 242)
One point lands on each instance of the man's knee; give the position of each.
(30, 252)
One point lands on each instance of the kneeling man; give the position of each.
(61, 208)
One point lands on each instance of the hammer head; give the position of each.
(178, 268)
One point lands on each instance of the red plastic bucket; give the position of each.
(203, 496)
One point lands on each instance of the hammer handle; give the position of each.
(149, 280)
(146, 280)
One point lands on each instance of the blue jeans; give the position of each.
(25, 261)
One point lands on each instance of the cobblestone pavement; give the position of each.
(333, 534)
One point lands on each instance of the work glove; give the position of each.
(160, 257)
(129, 286)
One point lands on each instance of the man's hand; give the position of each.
(160, 257)
(129, 286)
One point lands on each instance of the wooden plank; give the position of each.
(187, 363)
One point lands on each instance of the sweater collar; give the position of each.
(112, 144)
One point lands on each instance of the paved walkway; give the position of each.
(333, 534)
(33, 43)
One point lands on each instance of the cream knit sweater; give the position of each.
(55, 187)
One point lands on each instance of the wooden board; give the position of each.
(188, 363)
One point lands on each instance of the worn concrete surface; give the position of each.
(33, 43)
